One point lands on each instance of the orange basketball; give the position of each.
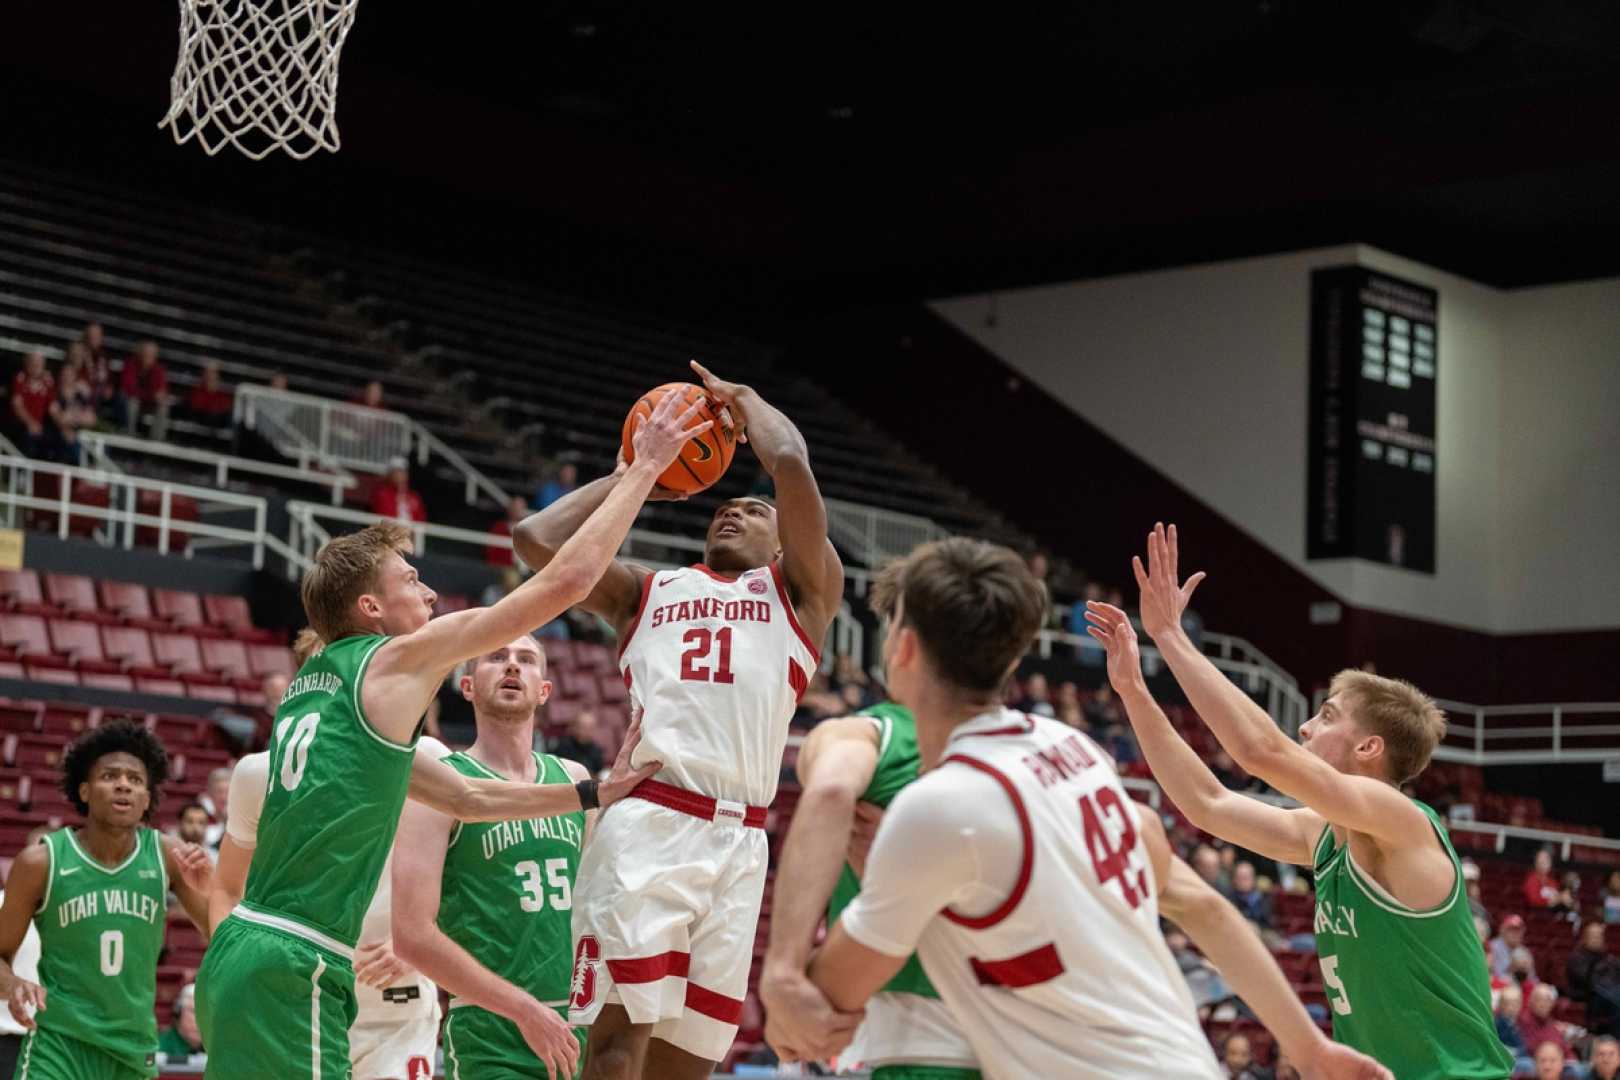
(704, 459)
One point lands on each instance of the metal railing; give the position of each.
(98, 446)
(1566, 841)
(1570, 732)
(1277, 690)
(341, 436)
(873, 536)
(113, 502)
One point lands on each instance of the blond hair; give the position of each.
(306, 645)
(345, 569)
(1406, 718)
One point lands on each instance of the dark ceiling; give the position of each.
(865, 151)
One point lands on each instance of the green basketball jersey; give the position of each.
(100, 933)
(1406, 987)
(507, 894)
(332, 805)
(898, 764)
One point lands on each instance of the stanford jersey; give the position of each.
(715, 667)
(1067, 975)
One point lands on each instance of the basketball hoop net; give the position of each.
(259, 75)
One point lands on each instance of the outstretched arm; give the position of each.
(835, 766)
(1290, 835)
(407, 669)
(1358, 803)
(230, 878)
(812, 566)
(419, 853)
(540, 537)
(1221, 933)
(25, 886)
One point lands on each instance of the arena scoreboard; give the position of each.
(1374, 359)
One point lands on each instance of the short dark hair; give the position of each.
(181, 816)
(974, 605)
(115, 737)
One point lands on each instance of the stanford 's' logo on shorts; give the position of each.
(586, 956)
(418, 1068)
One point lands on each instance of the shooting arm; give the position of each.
(1358, 803)
(1270, 830)
(540, 537)
(419, 852)
(835, 766)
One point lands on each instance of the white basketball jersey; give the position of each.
(715, 667)
(1070, 976)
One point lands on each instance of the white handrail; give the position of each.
(1566, 840)
(98, 443)
(1283, 701)
(873, 535)
(1469, 731)
(15, 497)
(342, 435)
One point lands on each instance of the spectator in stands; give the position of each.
(1536, 1024)
(1550, 1061)
(192, 826)
(1482, 927)
(1120, 742)
(1228, 773)
(1074, 716)
(371, 395)
(278, 381)
(1610, 894)
(394, 497)
(1509, 1004)
(1088, 651)
(1594, 979)
(1040, 565)
(1237, 1059)
(1037, 697)
(580, 743)
(1542, 889)
(566, 480)
(98, 375)
(213, 800)
(1102, 709)
(1605, 1058)
(209, 402)
(1284, 1069)
(182, 1039)
(94, 340)
(1522, 969)
(144, 388)
(1510, 936)
(33, 400)
(1206, 862)
(1247, 897)
(500, 554)
(75, 403)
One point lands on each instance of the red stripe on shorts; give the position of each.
(648, 969)
(1037, 966)
(715, 1006)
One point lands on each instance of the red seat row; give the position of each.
(135, 651)
(202, 615)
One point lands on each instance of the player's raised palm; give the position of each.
(1112, 627)
(1163, 597)
(660, 437)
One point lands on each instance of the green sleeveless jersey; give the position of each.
(898, 764)
(332, 804)
(100, 933)
(1406, 987)
(507, 895)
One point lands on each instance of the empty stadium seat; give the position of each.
(130, 646)
(80, 641)
(107, 680)
(271, 660)
(177, 652)
(169, 687)
(125, 599)
(76, 595)
(211, 692)
(20, 591)
(227, 657)
(179, 608)
(44, 673)
(24, 635)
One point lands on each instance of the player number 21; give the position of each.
(534, 889)
(699, 641)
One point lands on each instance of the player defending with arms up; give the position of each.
(715, 657)
(1400, 956)
(99, 896)
(276, 990)
(1020, 872)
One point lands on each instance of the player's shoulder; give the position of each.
(433, 748)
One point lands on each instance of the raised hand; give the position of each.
(1163, 597)
(724, 394)
(800, 1023)
(26, 998)
(623, 777)
(377, 966)
(659, 438)
(1113, 629)
(196, 868)
(659, 492)
(551, 1039)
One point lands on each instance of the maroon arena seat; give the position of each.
(177, 652)
(24, 635)
(178, 607)
(125, 599)
(209, 692)
(20, 591)
(107, 680)
(130, 646)
(271, 660)
(81, 642)
(226, 656)
(50, 674)
(76, 595)
(168, 687)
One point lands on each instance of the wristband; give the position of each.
(588, 800)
